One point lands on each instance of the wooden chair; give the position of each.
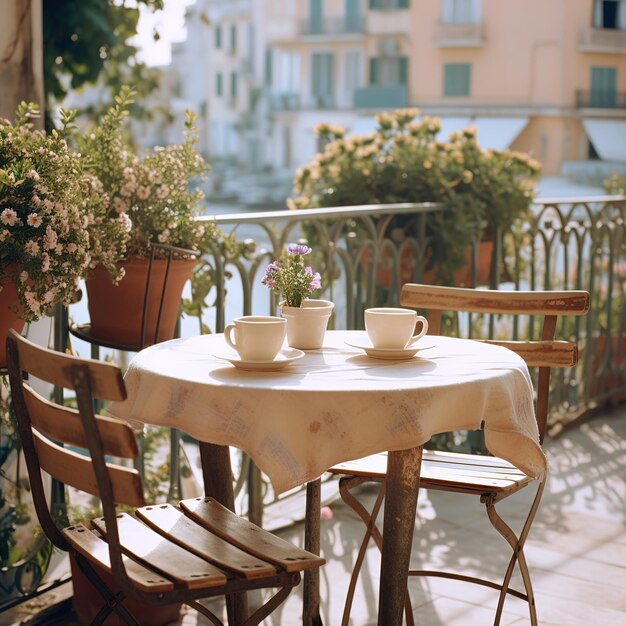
(175, 554)
(490, 478)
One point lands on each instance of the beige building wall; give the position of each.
(530, 64)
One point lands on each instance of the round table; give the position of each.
(337, 404)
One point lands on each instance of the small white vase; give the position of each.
(306, 325)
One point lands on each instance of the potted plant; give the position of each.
(44, 241)
(145, 200)
(403, 160)
(307, 319)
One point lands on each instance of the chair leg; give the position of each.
(517, 545)
(112, 602)
(371, 532)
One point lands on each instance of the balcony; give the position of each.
(381, 97)
(459, 35)
(333, 26)
(586, 99)
(285, 101)
(611, 40)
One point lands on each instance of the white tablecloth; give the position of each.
(336, 403)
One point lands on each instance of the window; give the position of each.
(603, 87)
(219, 84)
(354, 70)
(316, 12)
(233, 38)
(218, 36)
(456, 79)
(389, 4)
(353, 16)
(268, 71)
(233, 85)
(609, 13)
(387, 71)
(460, 11)
(322, 79)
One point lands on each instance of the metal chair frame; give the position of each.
(41, 424)
(544, 353)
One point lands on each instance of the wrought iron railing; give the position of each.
(366, 253)
(567, 243)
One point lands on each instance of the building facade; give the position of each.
(544, 76)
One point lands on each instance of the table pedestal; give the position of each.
(403, 476)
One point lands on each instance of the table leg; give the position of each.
(311, 591)
(403, 473)
(218, 484)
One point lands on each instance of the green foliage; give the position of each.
(404, 161)
(84, 39)
(144, 198)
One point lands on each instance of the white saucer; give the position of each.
(282, 359)
(390, 353)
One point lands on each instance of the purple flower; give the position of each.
(316, 279)
(297, 248)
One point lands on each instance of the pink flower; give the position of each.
(163, 191)
(143, 192)
(45, 263)
(71, 248)
(34, 220)
(164, 236)
(9, 217)
(32, 174)
(119, 205)
(50, 239)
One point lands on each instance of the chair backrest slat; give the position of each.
(544, 353)
(64, 424)
(55, 367)
(491, 301)
(76, 470)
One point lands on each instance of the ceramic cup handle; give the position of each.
(422, 332)
(228, 336)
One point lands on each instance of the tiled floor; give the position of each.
(576, 550)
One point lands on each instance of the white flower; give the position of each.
(32, 247)
(164, 236)
(32, 174)
(45, 263)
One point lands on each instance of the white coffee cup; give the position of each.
(393, 328)
(256, 337)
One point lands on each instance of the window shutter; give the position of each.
(403, 70)
(374, 64)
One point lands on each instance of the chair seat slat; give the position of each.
(153, 550)
(170, 522)
(96, 550)
(241, 533)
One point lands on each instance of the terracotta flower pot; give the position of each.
(306, 325)
(115, 311)
(8, 301)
